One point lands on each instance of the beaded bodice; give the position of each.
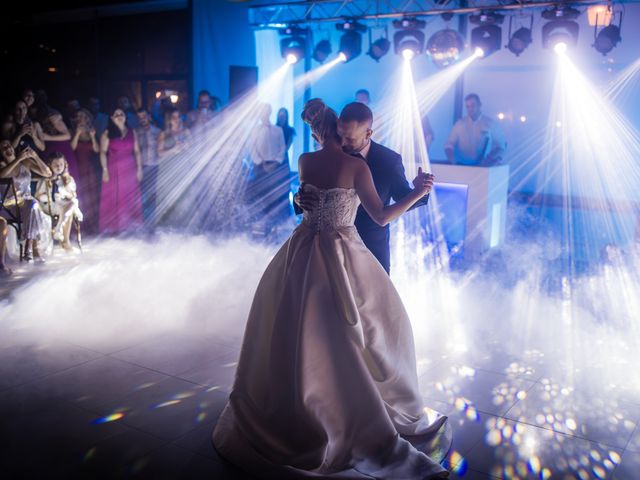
(336, 208)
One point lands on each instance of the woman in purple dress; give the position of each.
(120, 201)
(57, 139)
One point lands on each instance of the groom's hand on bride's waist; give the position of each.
(306, 200)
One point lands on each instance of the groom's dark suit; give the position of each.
(390, 181)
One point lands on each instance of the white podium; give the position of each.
(486, 214)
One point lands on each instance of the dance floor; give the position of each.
(140, 401)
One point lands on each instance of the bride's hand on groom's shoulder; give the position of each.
(423, 181)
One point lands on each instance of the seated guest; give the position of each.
(35, 225)
(58, 139)
(57, 196)
(84, 143)
(175, 137)
(4, 230)
(475, 139)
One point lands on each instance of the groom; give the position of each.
(354, 127)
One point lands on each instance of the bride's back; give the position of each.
(328, 168)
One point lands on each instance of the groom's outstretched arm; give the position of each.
(400, 186)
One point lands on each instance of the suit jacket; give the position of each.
(390, 182)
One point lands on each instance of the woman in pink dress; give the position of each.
(85, 145)
(120, 201)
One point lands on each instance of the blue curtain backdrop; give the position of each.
(221, 37)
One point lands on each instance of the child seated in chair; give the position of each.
(58, 197)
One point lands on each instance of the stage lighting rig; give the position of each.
(321, 51)
(409, 39)
(520, 39)
(445, 47)
(294, 44)
(351, 39)
(487, 36)
(380, 47)
(608, 37)
(561, 30)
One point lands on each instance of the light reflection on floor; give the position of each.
(138, 388)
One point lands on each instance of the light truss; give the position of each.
(315, 11)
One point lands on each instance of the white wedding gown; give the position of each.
(326, 385)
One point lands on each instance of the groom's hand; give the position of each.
(423, 181)
(306, 200)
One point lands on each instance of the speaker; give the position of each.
(241, 80)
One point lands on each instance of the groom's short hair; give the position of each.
(356, 112)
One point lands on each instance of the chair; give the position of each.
(8, 195)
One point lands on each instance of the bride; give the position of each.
(326, 385)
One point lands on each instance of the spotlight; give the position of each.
(561, 28)
(322, 51)
(560, 48)
(487, 35)
(444, 47)
(500, 116)
(350, 45)
(293, 47)
(342, 57)
(607, 39)
(523, 118)
(409, 39)
(478, 52)
(520, 39)
(408, 54)
(379, 48)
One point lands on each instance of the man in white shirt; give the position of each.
(475, 139)
(268, 148)
(269, 189)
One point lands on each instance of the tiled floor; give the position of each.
(146, 407)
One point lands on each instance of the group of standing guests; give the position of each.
(107, 164)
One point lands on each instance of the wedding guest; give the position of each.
(35, 225)
(84, 143)
(73, 105)
(29, 99)
(124, 104)
(57, 196)
(4, 231)
(287, 130)
(28, 132)
(8, 127)
(175, 136)
(363, 96)
(120, 204)
(427, 130)
(147, 141)
(58, 139)
(100, 119)
(204, 112)
(475, 139)
(269, 188)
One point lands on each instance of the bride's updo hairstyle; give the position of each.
(322, 120)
